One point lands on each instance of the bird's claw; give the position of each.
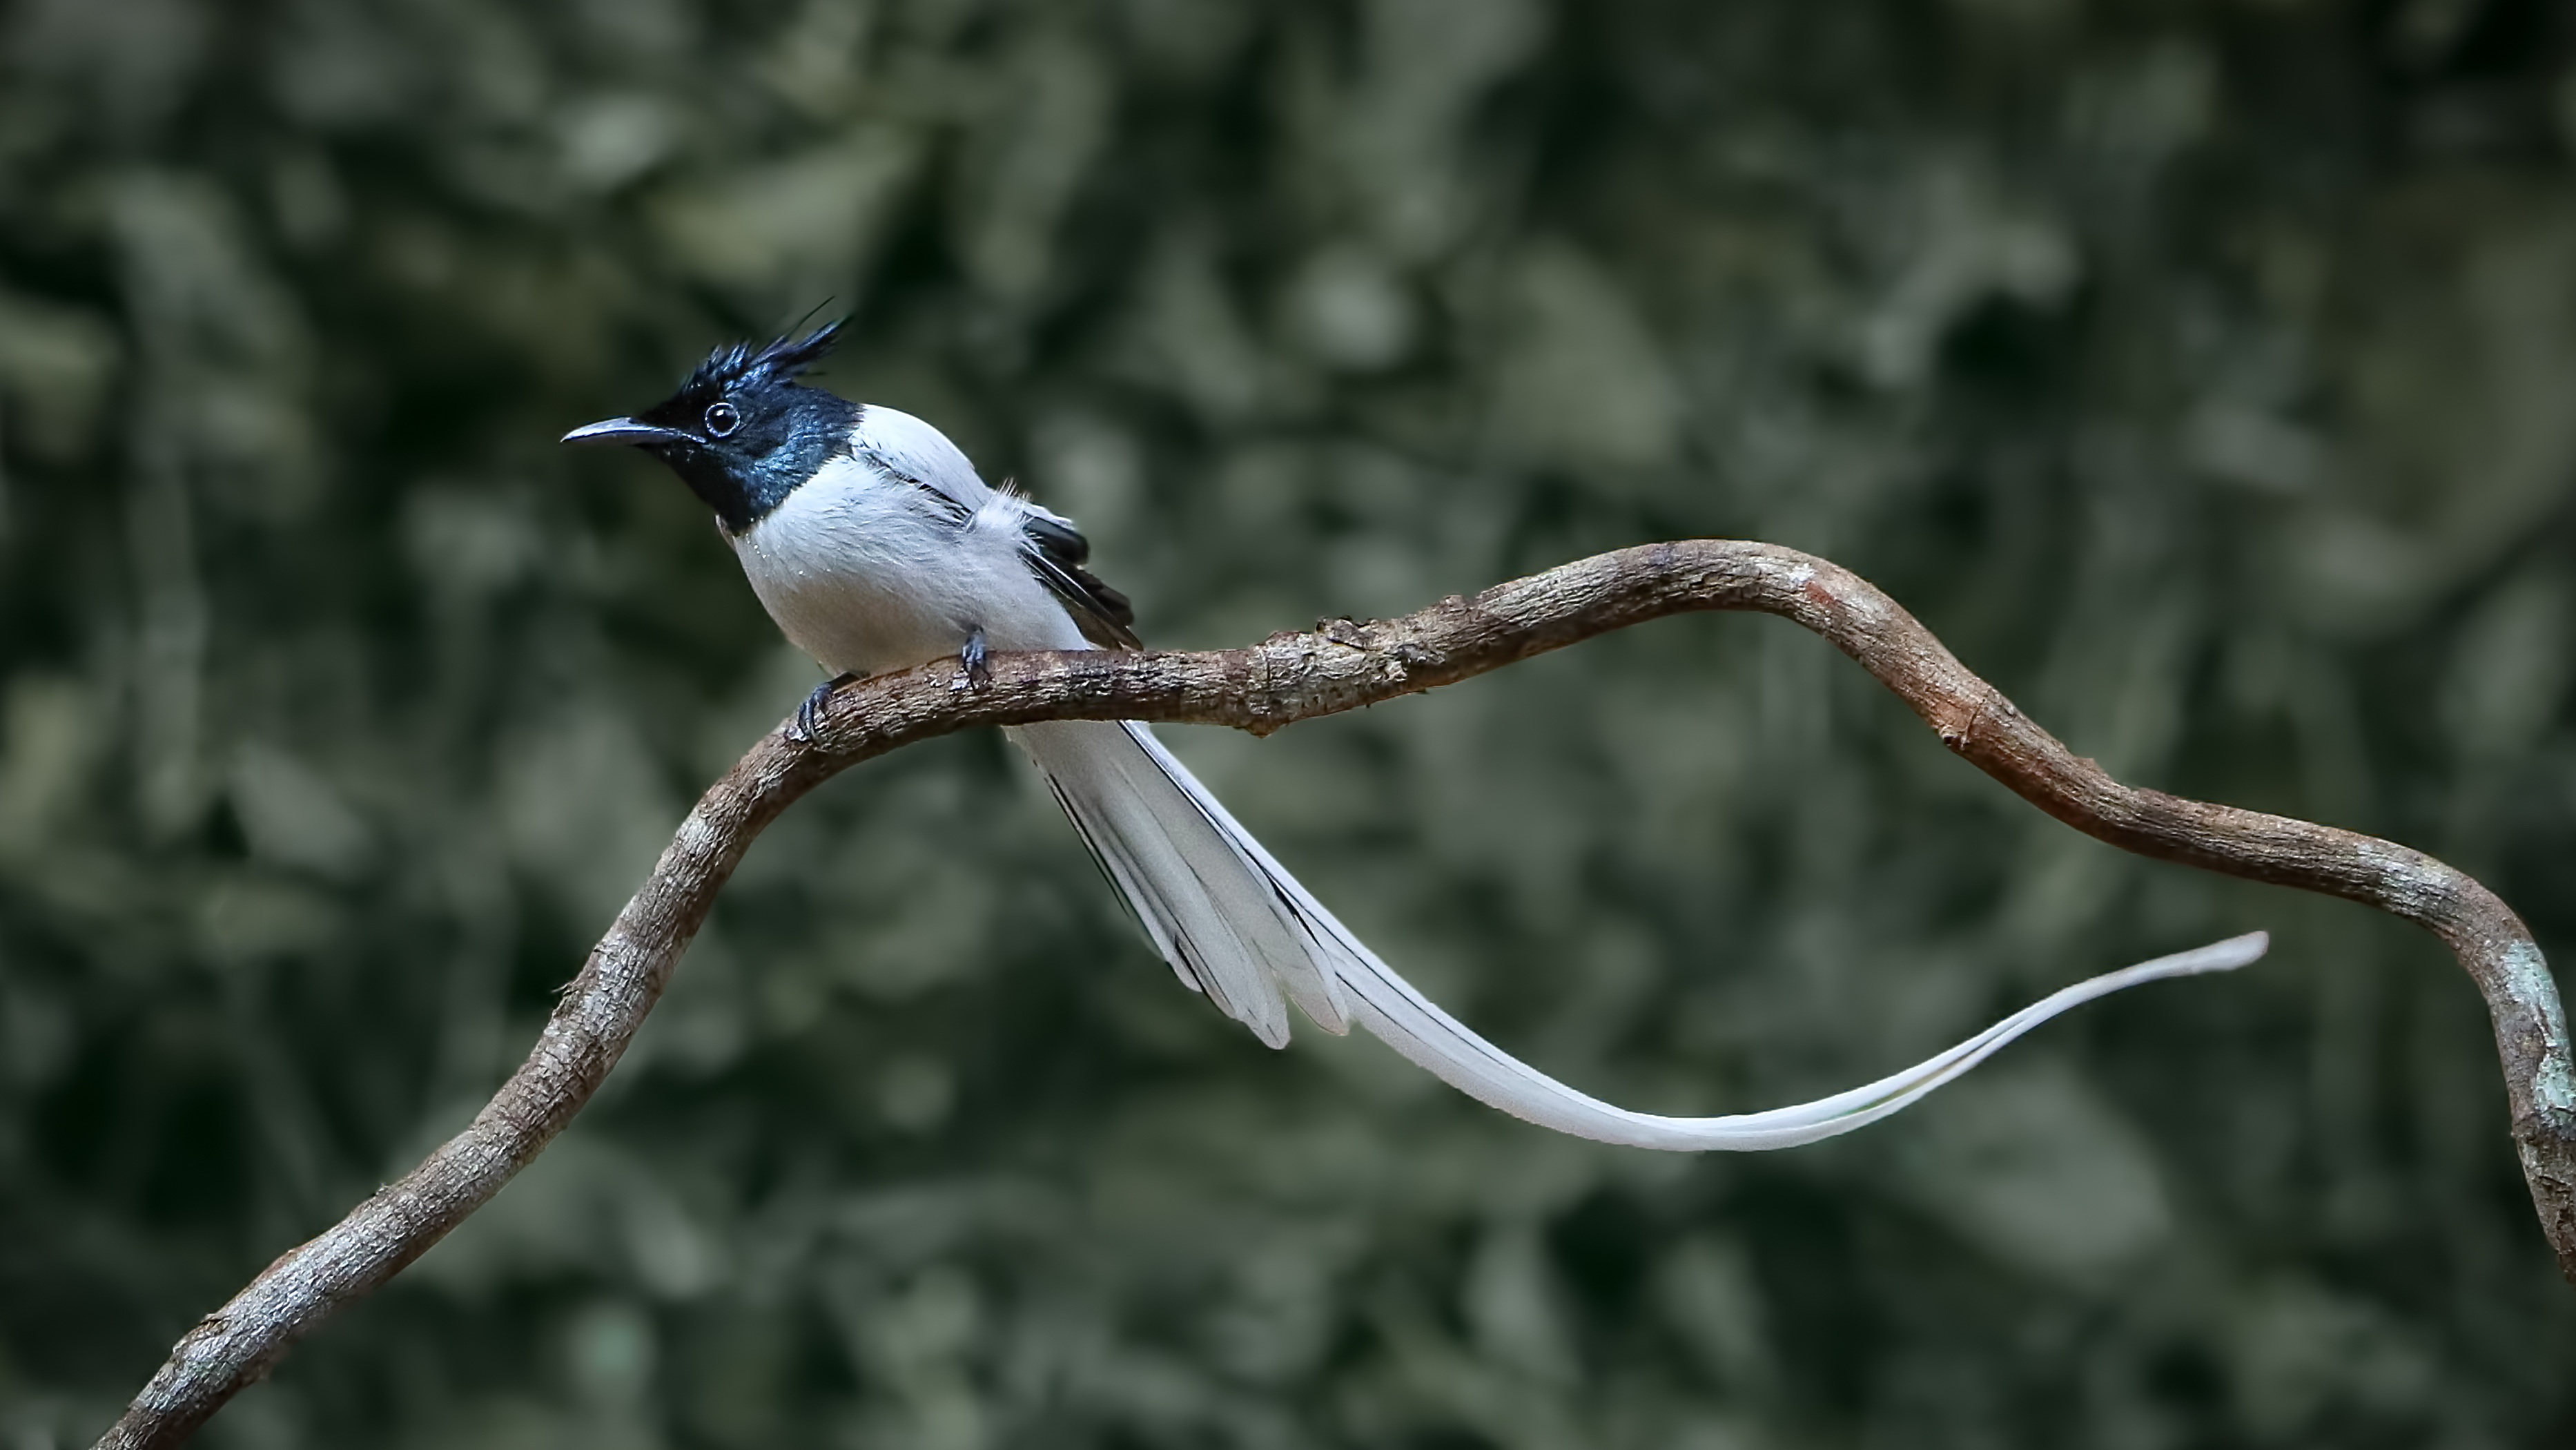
(808, 722)
(978, 669)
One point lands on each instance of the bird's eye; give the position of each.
(722, 419)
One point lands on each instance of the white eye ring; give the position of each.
(722, 419)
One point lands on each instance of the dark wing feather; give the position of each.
(1057, 551)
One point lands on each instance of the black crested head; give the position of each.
(742, 433)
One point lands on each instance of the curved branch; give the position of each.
(1291, 677)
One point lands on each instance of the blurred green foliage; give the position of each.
(2201, 372)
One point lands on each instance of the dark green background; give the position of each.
(2201, 372)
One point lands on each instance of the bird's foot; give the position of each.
(808, 715)
(977, 670)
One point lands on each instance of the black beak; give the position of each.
(625, 430)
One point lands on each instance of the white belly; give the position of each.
(867, 574)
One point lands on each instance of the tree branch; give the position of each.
(1291, 677)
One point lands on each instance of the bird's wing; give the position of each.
(1056, 552)
(908, 450)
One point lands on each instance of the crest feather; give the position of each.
(735, 365)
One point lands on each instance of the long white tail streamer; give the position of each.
(1234, 924)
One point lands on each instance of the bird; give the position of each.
(875, 545)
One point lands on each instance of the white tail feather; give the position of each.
(1234, 924)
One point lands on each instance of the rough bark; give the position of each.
(1290, 677)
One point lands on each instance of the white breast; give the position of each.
(867, 572)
